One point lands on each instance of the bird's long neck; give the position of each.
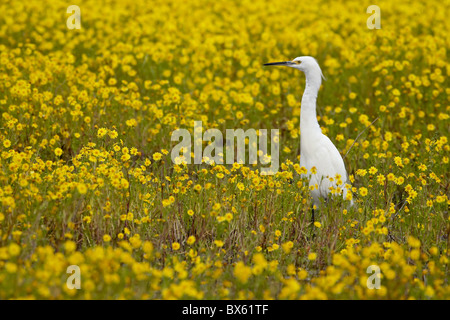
(308, 116)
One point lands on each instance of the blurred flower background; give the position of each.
(86, 176)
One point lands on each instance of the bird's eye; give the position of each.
(297, 62)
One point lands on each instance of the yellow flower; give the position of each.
(391, 177)
(6, 143)
(131, 122)
(422, 167)
(70, 246)
(147, 247)
(302, 274)
(58, 151)
(312, 256)
(242, 272)
(363, 191)
(413, 242)
(429, 291)
(381, 179)
(259, 260)
(102, 132)
(14, 249)
(434, 250)
(398, 161)
(157, 156)
(287, 246)
(190, 240)
(82, 188)
(175, 246)
(113, 134)
(125, 157)
(124, 183)
(218, 243)
(11, 267)
(415, 254)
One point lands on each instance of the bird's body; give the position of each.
(316, 149)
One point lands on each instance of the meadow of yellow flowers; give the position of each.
(86, 177)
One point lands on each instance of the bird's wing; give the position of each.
(329, 160)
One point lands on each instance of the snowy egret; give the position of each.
(316, 149)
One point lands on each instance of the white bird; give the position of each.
(316, 149)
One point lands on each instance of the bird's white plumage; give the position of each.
(323, 155)
(316, 149)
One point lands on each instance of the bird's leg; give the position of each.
(313, 234)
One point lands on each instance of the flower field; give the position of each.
(87, 179)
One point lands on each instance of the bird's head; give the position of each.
(306, 64)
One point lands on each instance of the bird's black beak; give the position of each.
(284, 63)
